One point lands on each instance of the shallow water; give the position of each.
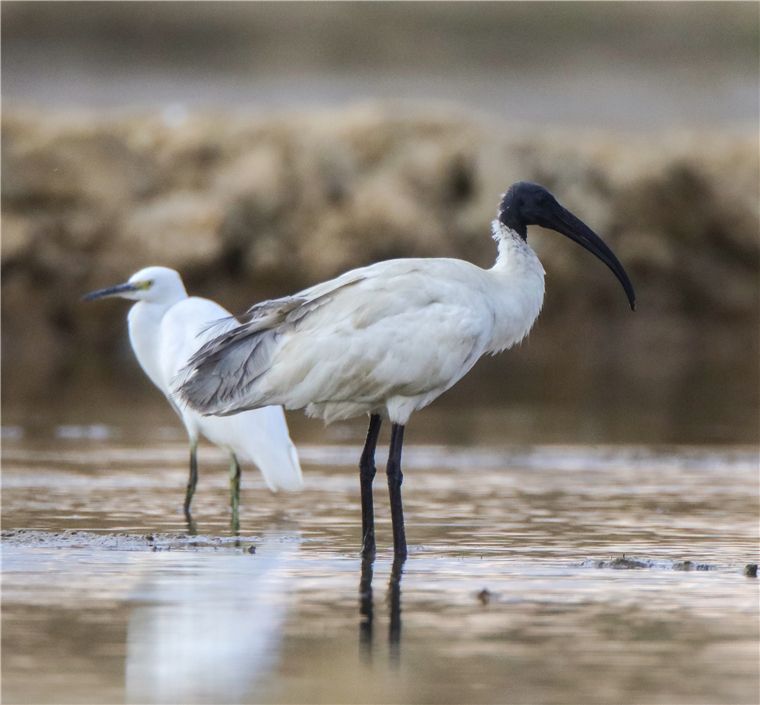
(514, 590)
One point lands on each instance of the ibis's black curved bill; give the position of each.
(110, 291)
(563, 221)
(526, 203)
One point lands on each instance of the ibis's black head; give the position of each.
(527, 204)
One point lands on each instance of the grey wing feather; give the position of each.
(219, 376)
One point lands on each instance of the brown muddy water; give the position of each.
(539, 571)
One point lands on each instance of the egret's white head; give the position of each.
(159, 285)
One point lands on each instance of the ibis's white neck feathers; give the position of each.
(519, 293)
(499, 231)
(508, 242)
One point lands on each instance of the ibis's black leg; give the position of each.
(395, 478)
(366, 608)
(235, 492)
(366, 475)
(394, 606)
(192, 481)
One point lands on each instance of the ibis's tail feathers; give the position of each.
(219, 378)
(214, 329)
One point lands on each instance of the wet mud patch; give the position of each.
(635, 563)
(68, 539)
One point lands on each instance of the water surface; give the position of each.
(515, 589)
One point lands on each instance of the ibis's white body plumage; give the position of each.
(165, 328)
(387, 339)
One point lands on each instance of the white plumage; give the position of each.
(387, 339)
(165, 328)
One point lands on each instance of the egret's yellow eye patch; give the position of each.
(142, 286)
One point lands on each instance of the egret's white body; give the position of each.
(388, 338)
(164, 333)
(165, 327)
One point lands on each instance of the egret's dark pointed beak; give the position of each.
(563, 221)
(117, 290)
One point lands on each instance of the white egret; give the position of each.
(165, 327)
(387, 339)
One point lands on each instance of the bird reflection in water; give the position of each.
(208, 627)
(367, 609)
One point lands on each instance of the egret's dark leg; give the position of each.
(395, 478)
(235, 492)
(366, 475)
(192, 481)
